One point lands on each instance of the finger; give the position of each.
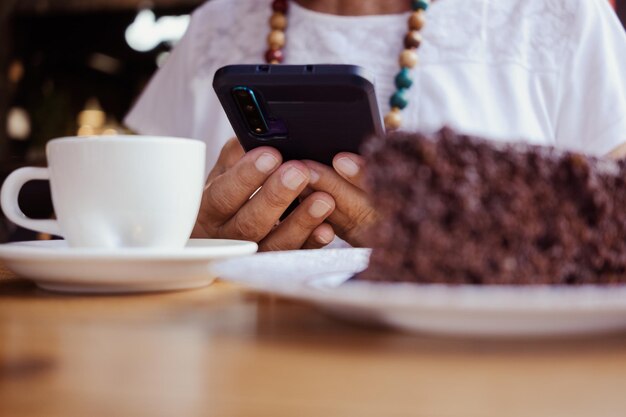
(296, 229)
(230, 154)
(351, 167)
(259, 215)
(353, 211)
(228, 192)
(320, 237)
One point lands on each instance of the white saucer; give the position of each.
(55, 266)
(320, 277)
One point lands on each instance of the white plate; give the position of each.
(55, 266)
(493, 311)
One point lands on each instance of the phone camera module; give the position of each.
(250, 110)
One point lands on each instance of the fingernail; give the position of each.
(266, 162)
(313, 176)
(293, 178)
(324, 240)
(347, 166)
(319, 208)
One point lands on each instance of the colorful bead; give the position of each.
(403, 79)
(413, 39)
(398, 99)
(278, 21)
(274, 56)
(279, 6)
(393, 119)
(420, 4)
(276, 39)
(417, 20)
(408, 58)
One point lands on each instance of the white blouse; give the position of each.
(550, 72)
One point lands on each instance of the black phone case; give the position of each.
(326, 108)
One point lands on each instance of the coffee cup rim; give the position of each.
(123, 138)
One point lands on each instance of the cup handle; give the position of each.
(9, 200)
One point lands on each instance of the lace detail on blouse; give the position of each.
(533, 33)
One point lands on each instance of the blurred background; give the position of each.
(74, 67)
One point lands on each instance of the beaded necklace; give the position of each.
(277, 39)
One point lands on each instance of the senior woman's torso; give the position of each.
(500, 69)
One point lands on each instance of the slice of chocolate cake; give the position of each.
(460, 210)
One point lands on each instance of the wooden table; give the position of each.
(221, 351)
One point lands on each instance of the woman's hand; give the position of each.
(353, 213)
(228, 210)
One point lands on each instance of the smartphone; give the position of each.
(305, 111)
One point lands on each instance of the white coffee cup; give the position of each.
(116, 191)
